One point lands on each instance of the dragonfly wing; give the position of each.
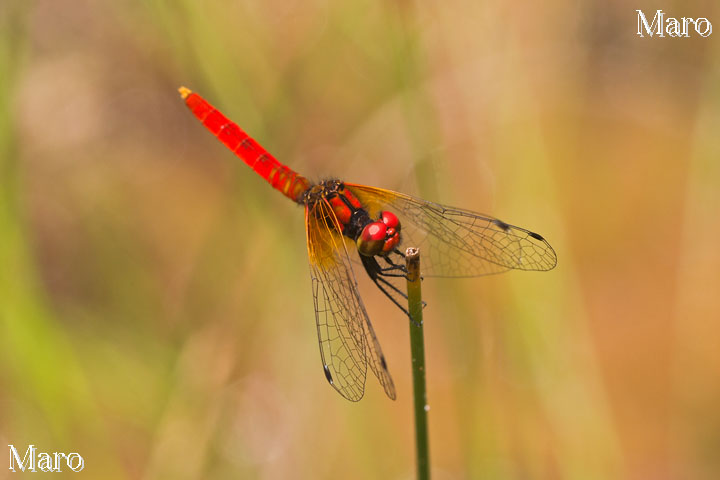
(456, 242)
(345, 333)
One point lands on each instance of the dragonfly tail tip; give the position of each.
(184, 92)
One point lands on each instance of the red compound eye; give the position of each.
(371, 240)
(390, 219)
(374, 231)
(391, 242)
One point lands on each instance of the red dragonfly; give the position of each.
(379, 224)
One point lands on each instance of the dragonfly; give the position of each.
(342, 218)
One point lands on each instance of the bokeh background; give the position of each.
(155, 307)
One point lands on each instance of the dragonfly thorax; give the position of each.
(372, 236)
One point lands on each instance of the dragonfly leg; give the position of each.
(385, 272)
(399, 292)
(393, 267)
(402, 268)
(393, 287)
(382, 284)
(376, 274)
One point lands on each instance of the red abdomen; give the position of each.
(281, 177)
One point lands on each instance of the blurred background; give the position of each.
(155, 306)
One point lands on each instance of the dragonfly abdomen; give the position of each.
(282, 178)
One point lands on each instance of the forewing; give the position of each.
(345, 334)
(456, 242)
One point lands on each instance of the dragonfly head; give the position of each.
(379, 237)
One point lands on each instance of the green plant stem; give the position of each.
(417, 350)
